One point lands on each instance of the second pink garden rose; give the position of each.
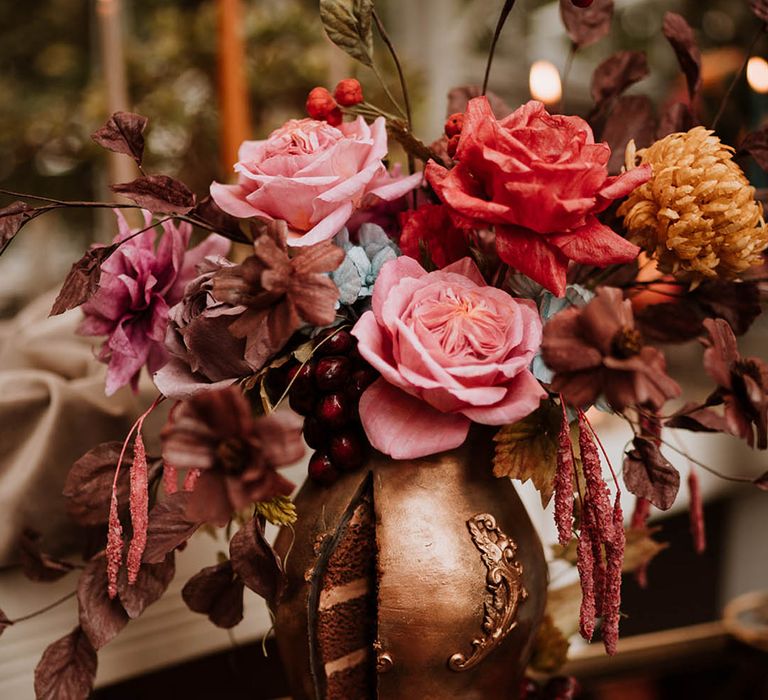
(451, 350)
(314, 176)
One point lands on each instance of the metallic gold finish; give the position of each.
(433, 587)
(505, 589)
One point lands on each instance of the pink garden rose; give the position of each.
(314, 176)
(138, 285)
(450, 350)
(539, 179)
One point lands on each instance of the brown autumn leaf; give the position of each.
(618, 72)
(101, 618)
(697, 419)
(158, 194)
(639, 551)
(550, 649)
(169, 527)
(675, 118)
(649, 475)
(756, 144)
(4, 622)
(67, 668)
(762, 482)
(207, 211)
(632, 117)
(255, 562)
(217, 592)
(683, 41)
(88, 487)
(563, 606)
(12, 219)
(528, 450)
(587, 25)
(83, 279)
(459, 97)
(152, 582)
(36, 564)
(123, 133)
(760, 8)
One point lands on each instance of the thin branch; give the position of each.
(51, 606)
(398, 66)
(508, 5)
(737, 76)
(567, 73)
(387, 91)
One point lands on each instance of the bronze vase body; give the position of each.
(411, 579)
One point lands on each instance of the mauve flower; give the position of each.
(203, 353)
(278, 293)
(450, 350)
(237, 454)
(138, 285)
(596, 350)
(539, 179)
(314, 176)
(742, 384)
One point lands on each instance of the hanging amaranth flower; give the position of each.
(236, 454)
(278, 292)
(596, 350)
(698, 213)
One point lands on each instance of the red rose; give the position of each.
(429, 230)
(540, 179)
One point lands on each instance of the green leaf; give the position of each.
(348, 24)
(528, 450)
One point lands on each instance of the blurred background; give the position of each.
(210, 73)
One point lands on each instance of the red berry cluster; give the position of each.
(557, 688)
(325, 107)
(326, 391)
(453, 126)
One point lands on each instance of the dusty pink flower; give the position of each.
(314, 176)
(451, 350)
(237, 454)
(139, 283)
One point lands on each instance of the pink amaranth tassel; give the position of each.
(190, 479)
(170, 479)
(614, 552)
(585, 566)
(564, 482)
(698, 531)
(597, 494)
(114, 546)
(139, 507)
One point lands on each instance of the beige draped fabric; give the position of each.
(52, 410)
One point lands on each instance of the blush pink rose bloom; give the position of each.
(451, 350)
(314, 176)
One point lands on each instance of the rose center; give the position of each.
(232, 455)
(627, 343)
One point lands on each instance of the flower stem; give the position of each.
(387, 91)
(567, 73)
(737, 76)
(403, 85)
(48, 607)
(508, 5)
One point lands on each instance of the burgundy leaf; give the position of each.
(225, 224)
(617, 73)
(756, 144)
(649, 475)
(4, 622)
(217, 592)
(101, 617)
(762, 482)
(158, 194)
(151, 583)
(459, 97)
(168, 528)
(123, 133)
(697, 419)
(760, 8)
(675, 118)
(83, 280)
(67, 668)
(36, 565)
(88, 487)
(681, 37)
(254, 561)
(632, 117)
(587, 25)
(12, 219)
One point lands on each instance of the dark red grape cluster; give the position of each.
(326, 391)
(557, 688)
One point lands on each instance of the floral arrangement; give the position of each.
(519, 277)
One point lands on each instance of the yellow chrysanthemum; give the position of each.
(697, 215)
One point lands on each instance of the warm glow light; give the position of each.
(757, 74)
(544, 82)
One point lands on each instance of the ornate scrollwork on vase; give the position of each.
(505, 590)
